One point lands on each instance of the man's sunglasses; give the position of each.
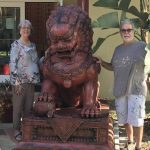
(126, 30)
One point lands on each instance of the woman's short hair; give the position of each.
(127, 21)
(25, 23)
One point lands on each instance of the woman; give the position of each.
(24, 73)
(130, 87)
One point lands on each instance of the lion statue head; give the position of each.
(69, 31)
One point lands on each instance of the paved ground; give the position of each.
(7, 141)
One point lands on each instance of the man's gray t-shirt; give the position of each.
(128, 65)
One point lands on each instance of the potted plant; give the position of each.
(6, 106)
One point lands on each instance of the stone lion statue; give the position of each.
(70, 71)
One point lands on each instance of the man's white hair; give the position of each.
(127, 21)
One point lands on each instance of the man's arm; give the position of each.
(106, 65)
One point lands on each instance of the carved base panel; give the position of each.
(67, 131)
(61, 146)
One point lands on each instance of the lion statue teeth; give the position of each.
(70, 71)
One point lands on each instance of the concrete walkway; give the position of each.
(7, 141)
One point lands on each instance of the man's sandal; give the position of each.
(138, 148)
(130, 145)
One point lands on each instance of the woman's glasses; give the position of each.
(126, 30)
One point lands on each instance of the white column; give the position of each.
(61, 2)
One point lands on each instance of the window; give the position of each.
(9, 20)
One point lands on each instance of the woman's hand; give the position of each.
(18, 89)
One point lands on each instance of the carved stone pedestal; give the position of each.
(67, 131)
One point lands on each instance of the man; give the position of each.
(130, 87)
